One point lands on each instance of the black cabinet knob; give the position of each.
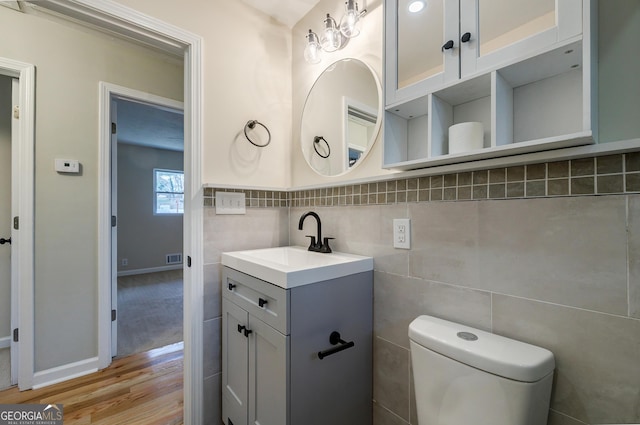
(231, 286)
(241, 328)
(465, 37)
(448, 45)
(247, 332)
(262, 302)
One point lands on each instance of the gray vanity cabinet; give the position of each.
(271, 337)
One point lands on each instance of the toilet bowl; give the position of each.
(466, 376)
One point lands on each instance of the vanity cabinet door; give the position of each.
(417, 56)
(235, 364)
(494, 32)
(268, 375)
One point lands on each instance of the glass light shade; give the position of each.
(350, 22)
(331, 39)
(416, 6)
(312, 49)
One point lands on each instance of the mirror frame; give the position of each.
(376, 131)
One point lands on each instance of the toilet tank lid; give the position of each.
(489, 352)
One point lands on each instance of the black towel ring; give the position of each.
(252, 124)
(316, 140)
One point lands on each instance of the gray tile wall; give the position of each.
(259, 228)
(535, 260)
(550, 271)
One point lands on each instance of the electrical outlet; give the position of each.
(402, 233)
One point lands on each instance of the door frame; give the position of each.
(109, 94)
(116, 18)
(22, 263)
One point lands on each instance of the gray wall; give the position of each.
(70, 62)
(143, 237)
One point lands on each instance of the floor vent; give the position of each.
(174, 258)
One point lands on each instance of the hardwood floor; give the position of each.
(141, 389)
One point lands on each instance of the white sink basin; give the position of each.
(291, 266)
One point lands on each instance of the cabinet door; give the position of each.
(268, 375)
(502, 31)
(415, 60)
(235, 364)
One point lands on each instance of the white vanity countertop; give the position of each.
(292, 266)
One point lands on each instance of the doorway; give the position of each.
(17, 124)
(7, 378)
(147, 193)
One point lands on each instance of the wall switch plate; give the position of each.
(67, 166)
(402, 233)
(230, 203)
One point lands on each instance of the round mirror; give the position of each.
(341, 117)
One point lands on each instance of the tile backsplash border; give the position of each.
(598, 175)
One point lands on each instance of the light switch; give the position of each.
(67, 166)
(230, 203)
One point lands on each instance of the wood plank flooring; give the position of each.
(142, 389)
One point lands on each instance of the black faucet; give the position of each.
(317, 244)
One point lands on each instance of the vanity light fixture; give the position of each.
(334, 37)
(416, 6)
(331, 39)
(350, 22)
(312, 49)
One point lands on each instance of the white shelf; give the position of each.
(557, 142)
(538, 104)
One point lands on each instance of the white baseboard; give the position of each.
(5, 342)
(65, 372)
(150, 270)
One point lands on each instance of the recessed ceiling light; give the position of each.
(416, 6)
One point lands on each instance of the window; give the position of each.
(168, 187)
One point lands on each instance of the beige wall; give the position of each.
(619, 94)
(144, 238)
(247, 75)
(5, 205)
(368, 48)
(70, 62)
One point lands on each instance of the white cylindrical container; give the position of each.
(465, 137)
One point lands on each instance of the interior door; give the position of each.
(5, 212)
(15, 193)
(114, 227)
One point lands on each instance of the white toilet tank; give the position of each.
(465, 376)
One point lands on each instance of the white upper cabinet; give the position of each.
(452, 39)
(525, 69)
(495, 32)
(416, 59)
